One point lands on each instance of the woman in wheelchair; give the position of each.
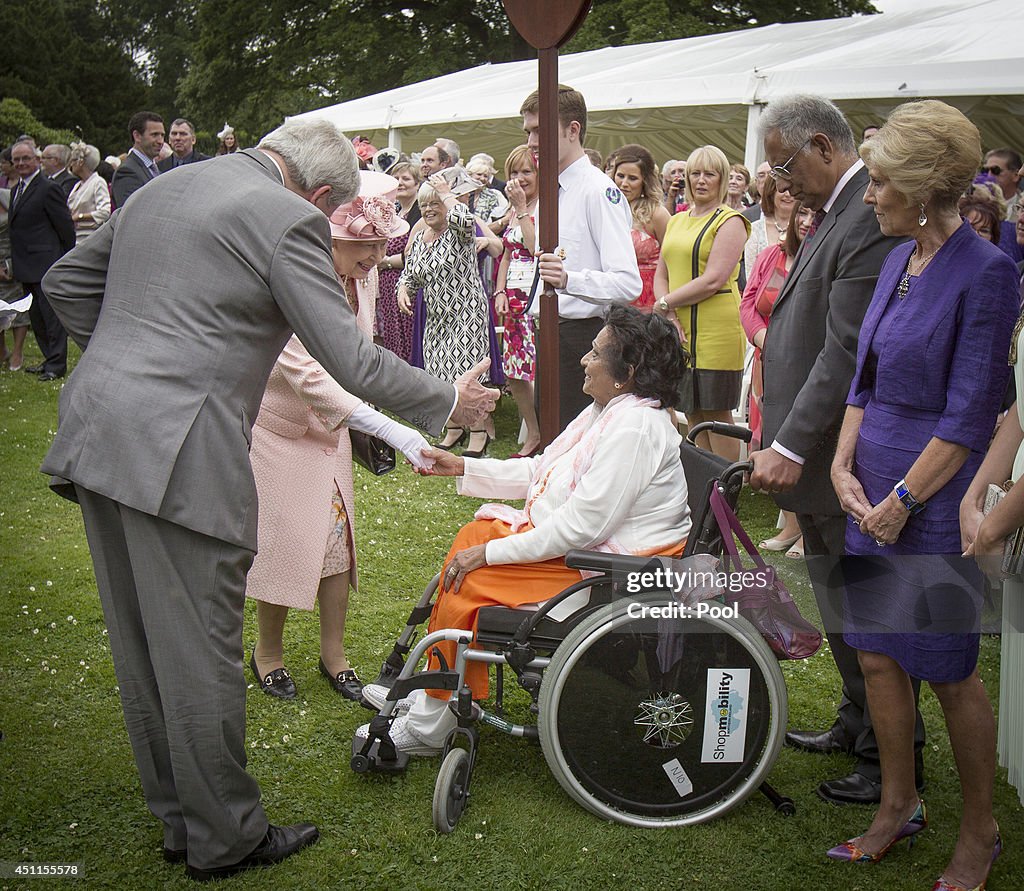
(612, 481)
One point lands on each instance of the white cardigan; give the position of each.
(635, 490)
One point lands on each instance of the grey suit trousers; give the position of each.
(172, 599)
(824, 546)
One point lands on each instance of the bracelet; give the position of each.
(902, 491)
(525, 213)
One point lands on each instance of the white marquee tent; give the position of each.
(675, 95)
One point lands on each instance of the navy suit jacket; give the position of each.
(66, 181)
(168, 163)
(41, 229)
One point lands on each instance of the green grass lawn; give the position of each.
(69, 790)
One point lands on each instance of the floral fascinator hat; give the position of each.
(371, 214)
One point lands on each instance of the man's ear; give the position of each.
(320, 197)
(823, 144)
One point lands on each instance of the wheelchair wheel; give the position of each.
(653, 721)
(451, 791)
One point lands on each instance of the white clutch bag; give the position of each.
(1013, 552)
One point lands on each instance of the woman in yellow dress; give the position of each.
(695, 284)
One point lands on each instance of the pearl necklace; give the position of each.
(904, 286)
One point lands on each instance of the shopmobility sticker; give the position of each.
(725, 721)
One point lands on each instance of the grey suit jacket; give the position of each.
(184, 299)
(810, 349)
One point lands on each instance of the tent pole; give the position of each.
(753, 153)
(395, 137)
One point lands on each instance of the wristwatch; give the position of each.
(909, 501)
(662, 305)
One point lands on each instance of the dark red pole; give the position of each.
(547, 359)
(546, 25)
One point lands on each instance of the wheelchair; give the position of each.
(646, 715)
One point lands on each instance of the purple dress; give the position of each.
(930, 365)
(394, 328)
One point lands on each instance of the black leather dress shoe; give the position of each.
(33, 369)
(820, 742)
(346, 683)
(278, 843)
(274, 683)
(47, 376)
(856, 789)
(175, 856)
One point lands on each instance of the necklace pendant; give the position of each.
(904, 286)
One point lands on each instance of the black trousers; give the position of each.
(575, 337)
(824, 547)
(48, 331)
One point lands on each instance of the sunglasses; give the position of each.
(782, 170)
(995, 169)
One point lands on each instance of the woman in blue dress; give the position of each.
(931, 373)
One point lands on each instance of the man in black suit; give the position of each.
(147, 131)
(54, 162)
(808, 358)
(182, 139)
(41, 233)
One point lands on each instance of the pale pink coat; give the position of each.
(300, 452)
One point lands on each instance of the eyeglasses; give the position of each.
(995, 169)
(782, 171)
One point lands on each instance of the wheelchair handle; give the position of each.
(721, 428)
(741, 467)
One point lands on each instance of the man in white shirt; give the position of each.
(599, 264)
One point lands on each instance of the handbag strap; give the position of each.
(729, 525)
(533, 287)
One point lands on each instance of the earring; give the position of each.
(922, 218)
(618, 386)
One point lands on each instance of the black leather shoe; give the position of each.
(47, 376)
(346, 683)
(275, 683)
(820, 742)
(33, 369)
(279, 842)
(173, 856)
(856, 789)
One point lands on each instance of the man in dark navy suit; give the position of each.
(41, 233)
(182, 139)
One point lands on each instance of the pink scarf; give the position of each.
(583, 435)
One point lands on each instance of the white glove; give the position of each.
(408, 441)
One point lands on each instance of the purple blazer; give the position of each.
(944, 364)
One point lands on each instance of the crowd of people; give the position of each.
(871, 282)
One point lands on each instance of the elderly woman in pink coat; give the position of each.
(302, 462)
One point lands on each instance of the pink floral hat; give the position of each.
(371, 214)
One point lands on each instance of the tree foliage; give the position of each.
(86, 66)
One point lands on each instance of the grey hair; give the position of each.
(798, 117)
(667, 166)
(451, 148)
(317, 154)
(89, 155)
(63, 152)
(485, 159)
(425, 193)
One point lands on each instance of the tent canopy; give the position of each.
(675, 95)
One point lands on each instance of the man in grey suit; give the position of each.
(183, 301)
(809, 357)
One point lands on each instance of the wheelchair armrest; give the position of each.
(599, 561)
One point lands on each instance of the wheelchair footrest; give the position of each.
(373, 761)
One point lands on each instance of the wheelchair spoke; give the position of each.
(666, 720)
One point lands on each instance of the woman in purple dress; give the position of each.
(393, 328)
(931, 373)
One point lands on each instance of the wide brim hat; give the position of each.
(460, 181)
(371, 215)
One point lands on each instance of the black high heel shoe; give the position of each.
(479, 453)
(463, 436)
